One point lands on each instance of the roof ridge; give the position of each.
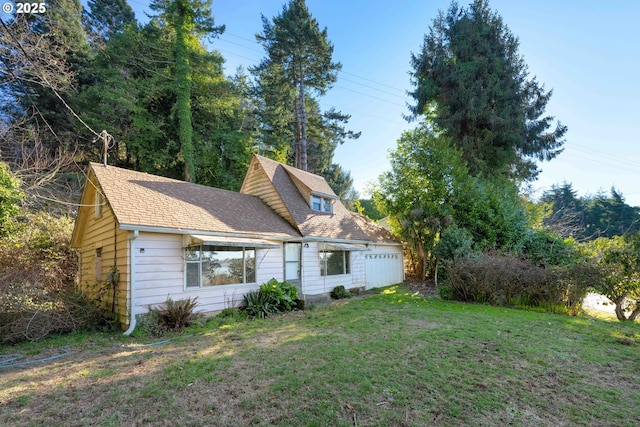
(167, 178)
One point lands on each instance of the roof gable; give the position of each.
(294, 188)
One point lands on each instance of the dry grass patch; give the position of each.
(388, 359)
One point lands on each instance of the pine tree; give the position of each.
(298, 63)
(472, 83)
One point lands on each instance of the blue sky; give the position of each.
(587, 51)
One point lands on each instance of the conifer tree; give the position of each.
(298, 63)
(190, 19)
(472, 83)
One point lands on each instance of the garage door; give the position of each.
(383, 269)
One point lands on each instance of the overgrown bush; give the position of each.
(507, 280)
(175, 315)
(273, 297)
(340, 292)
(37, 288)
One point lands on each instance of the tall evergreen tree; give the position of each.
(190, 19)
(298, 63)
(104, 18)
(473, 84)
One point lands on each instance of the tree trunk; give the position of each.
(435, 275)
(619, 301)
(303, 129)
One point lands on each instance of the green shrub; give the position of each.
(340, 292)
(257, 304)
(273, 297)
(281, 294)
(175, 315)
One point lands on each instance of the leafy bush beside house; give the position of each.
(273, 297)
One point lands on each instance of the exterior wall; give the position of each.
(258, 184)
(102, 233)
(314, 283)
(384, 266)
(159, 273)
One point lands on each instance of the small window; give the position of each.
(326, 206)
(219, 265)
(334, 262)
(316, 203)
(321, 204)
(98, 204)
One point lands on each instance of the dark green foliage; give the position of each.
(546, 249)
(282, 294)
(339, 292)
(491, 210)
(510, 281)
(368, 208)
(588, 218)
(175, 315)
(455, 242)
(257, 304)
(106, 18)
(298, 67)
(189, 19)
(273, 297)
(471, 82)
(429, 189)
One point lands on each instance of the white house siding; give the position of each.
(314, 283)
(384, 266)
(159, 273)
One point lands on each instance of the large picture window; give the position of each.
(334, 262)
(219, 265)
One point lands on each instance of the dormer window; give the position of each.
(322, 204)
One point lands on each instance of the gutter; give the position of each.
(132, 281)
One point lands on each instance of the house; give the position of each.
(142, 238)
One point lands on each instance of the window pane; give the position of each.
(250, 265)
(221, 266)
(326, 206)
(193, 274)
(315, 203)
(347, 262)
(335, 263)
(192, 253)
(323, 263)
(291, 271)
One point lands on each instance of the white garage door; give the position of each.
(383, 269)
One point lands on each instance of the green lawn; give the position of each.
(390, 359)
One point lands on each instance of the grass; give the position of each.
(391, 359)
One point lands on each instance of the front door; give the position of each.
(292, 264)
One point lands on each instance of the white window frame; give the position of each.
(198, 262)
(321, 204)
(346, 263)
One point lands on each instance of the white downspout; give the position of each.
(132, 281)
